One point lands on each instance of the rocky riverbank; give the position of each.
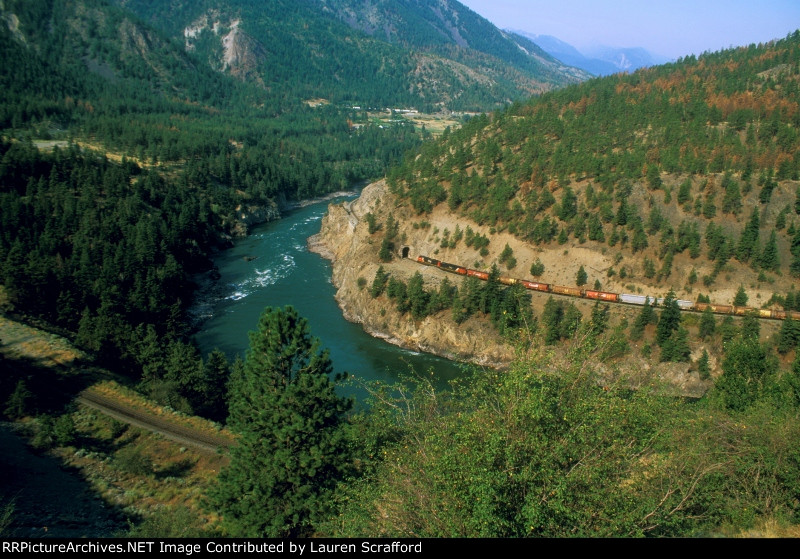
(345, 240)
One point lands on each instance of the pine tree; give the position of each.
(789, 336)
(216, 373)
(418, 298)
(379, 283)
(600, 318)
(740, 299)
(748, 241)
(537, 268)
(581, 277)
(747, 371)
(291, 449)
(703, 366)
(646, 316)
(552, 316)
(18, 403)
(708, 324)
(670, 319)
(769, 259)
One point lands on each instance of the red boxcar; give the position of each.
(602, 295)
(476, 274)
(535, 286)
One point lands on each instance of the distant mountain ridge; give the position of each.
(432, 54)
(600, 61)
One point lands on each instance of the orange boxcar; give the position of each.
(602, 295)
(720, 309)
(563, 290)
(535, 286)
(476, 274)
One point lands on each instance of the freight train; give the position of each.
(609, 297)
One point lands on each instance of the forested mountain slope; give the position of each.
(428, 55)
(101, 240)
(688, 170)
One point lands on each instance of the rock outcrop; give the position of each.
(345, 240)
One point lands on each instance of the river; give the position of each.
(273, 267)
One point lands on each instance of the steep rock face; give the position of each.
(234, 51)
(249, 215)
(346, 241)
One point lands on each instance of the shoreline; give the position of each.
(206, 295)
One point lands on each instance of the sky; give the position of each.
(669, 28)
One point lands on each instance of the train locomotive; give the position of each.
(626, 298)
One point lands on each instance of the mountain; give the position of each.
(680, 176)
(377, 53)
(625, 59)
(599, 61)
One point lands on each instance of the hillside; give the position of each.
(692, 167)
(429, 55)
(679, 178)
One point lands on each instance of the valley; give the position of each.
(154, 151)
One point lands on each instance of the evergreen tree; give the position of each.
(676, 348)
(708, 324)
(581, 277)
(670, 319)
(291, 449)
(646, 316)
(418, 298)
(18, 403)
(537, 268)
(213, 392)
(769, 259)
(789, 336)
(703, 366)
(748, 242)
(379, 283)
(750, 327)
(552, 316)
(599, 321)
(732, 201)
(740, 300)
(385, 252)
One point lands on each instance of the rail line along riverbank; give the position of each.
(623, 298)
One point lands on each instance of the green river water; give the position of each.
(273, 267)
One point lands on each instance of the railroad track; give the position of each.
(171, 430)
(626, 298)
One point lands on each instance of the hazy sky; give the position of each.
(670, 28)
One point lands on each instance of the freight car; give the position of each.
(535, 286)
(601, 295)
(627, 298)
(564, 290)
(476, 274)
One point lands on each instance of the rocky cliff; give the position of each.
(345, 240)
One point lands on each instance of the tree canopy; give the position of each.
(291, 449)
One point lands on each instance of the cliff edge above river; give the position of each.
(346, 241)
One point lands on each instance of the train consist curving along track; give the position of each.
(609, 297)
